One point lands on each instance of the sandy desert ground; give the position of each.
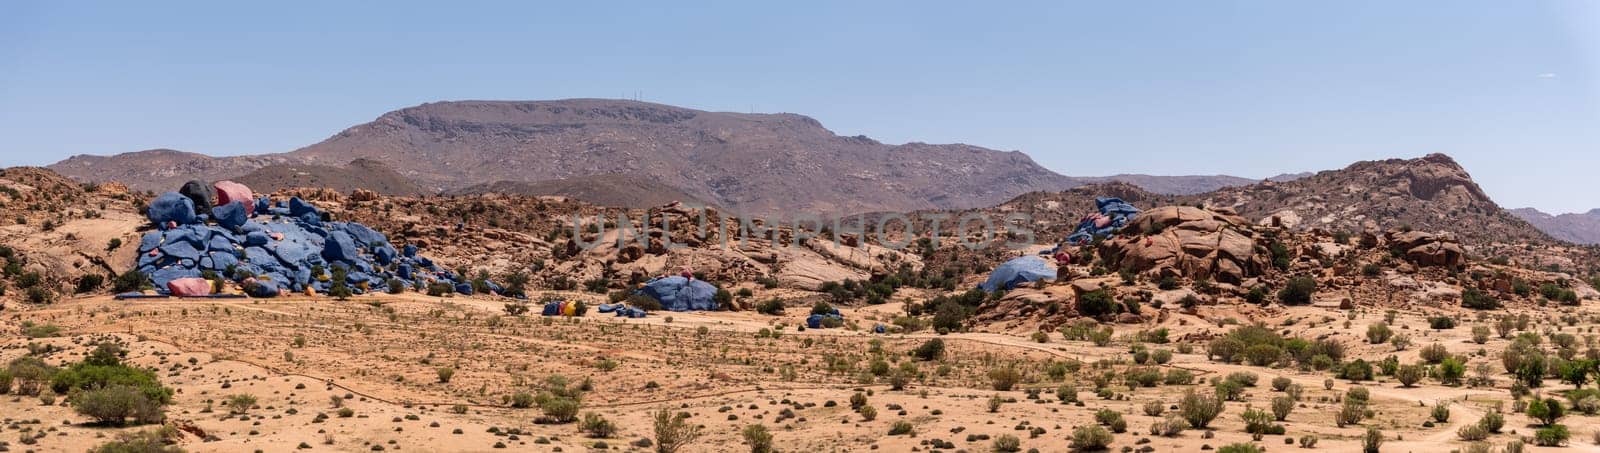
(380, 357)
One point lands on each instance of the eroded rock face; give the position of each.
(1428, 249)
(1189, 242)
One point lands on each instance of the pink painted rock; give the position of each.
(229, 191)
(189, 287)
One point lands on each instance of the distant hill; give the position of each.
(358, 174)
(759, 163)
(1430, 193)
(1173, 185)
(624, 191)
(1576, 228)
(161, 169)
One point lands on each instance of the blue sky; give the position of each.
(1087, 88)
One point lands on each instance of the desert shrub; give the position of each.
(1261, 354)
(673, 431)
(1241, 447)
(1281, 407)
(1450, 371)
(96, 373)
(1378, 333)
(1545, 410)
(1371, 440)
(1256, 421)
(1007, 443)
(901, 428)
(396, 286)
(1492, 421)
(1199, 409)
(1475, 299)
(1442, 323)
(597, 426)
(757, 438)
(1356, 370)
(116, 403)
(930, 350)
(132, 280)
(1472, 433)
(772, 307)
(1090, 438)
(1409, 375)
(149, 441)
(90, 282)
(1281, 383)
(1441, 411)
(1169, 427)
(1298, 291)
(1096, 304)
(1433, 353)
(445, 373)
(240, 403)
(1004, 378)
(1551, 436)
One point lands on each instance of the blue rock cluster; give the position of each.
(275, 249)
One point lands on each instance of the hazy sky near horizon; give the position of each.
(1247, 88)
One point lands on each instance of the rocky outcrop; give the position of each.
(1428, 249)
(1189, 242)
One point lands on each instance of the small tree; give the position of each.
(758, 438)
(338, 287)
(673, 432)
(1546, 410)
(241, 403)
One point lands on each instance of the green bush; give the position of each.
(1298, 291)
(150, 441)
(115, 404)
(1090, 438)
(1475, 299)
(86, 376)
(930, 350)
(1199, 409)
(90, 282)
(1551, 436)
(1096, 303)
(772, 307)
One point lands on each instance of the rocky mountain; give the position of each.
(1577, 228)
(358, 174)
(1173, 185)
(1431, 193)
(754, 162)
(760, 163)
(624, 191)
(161, 169)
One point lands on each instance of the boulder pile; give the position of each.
(1189, 242)
(1427, 249)
(269, 248)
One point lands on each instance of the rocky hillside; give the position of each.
(1431, 193)
(755, 162)
(760, 163)
(358, 174)
(623, 191)
(1581, 228)
(1174, 185)
(159, 169)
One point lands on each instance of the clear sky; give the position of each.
(1252, 89)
